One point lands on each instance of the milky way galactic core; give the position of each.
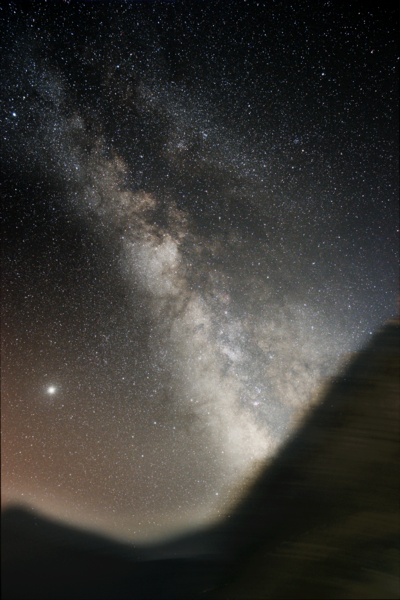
(201, 228)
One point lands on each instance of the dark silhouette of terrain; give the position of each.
(321, 522)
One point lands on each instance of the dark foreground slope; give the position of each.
(322, 522)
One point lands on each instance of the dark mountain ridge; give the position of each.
(321, 522)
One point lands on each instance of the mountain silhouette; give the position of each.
(322, 521)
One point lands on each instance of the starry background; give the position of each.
(200, 227)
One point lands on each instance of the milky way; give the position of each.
(200, 229)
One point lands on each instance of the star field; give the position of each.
(200, 228)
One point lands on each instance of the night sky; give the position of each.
(200, 227)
